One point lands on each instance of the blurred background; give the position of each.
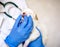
(49, 15)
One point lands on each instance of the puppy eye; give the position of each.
(36, 17)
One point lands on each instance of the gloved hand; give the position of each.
(37, 43)
(20, 31)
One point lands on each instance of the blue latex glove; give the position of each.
(20, 31)
(37, 42)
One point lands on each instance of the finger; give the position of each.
(30, 23)
(17, 20)
(24, 23)
(30, 30)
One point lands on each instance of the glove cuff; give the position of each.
(9, 42)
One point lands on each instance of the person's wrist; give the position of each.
(10, 43)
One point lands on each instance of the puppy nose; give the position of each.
(24, 14)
